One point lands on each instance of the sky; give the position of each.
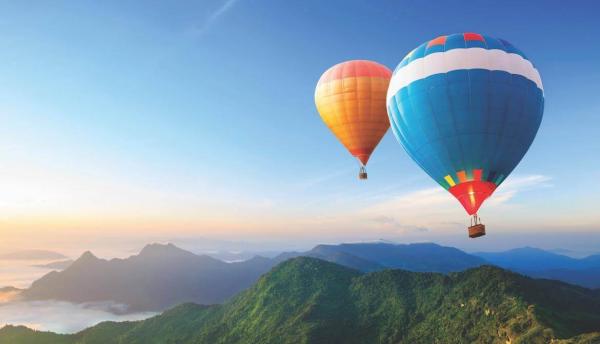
(126, 122)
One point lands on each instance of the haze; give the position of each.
(127, 123)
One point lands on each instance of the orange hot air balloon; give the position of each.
(351, 99)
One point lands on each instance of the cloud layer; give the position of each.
(420, 210)
(63, 317)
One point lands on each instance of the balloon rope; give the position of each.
(474, 219)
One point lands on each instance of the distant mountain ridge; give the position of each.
(56, 265)
(307, 300)
(536, 258)
(31, 255)
(8, 294)
(419, 257)
(539, 263)
(529, 258)
(8, 289)
(160, 276)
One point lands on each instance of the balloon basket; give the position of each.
(362, 174)
(477, 231)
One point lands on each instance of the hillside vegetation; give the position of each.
(307, 300)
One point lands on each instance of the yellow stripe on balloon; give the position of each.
(450, 181)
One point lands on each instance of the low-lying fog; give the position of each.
(63, 317)
(55, 316)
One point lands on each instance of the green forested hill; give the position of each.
(306, 300)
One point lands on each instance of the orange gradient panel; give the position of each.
(351, 99)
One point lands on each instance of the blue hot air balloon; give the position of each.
(466, 107)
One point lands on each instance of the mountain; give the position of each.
(572, 253)
(9, 289)
(425, 257)
(590, 261)
(8, 294)
(307, 300)
(31, 255)
(238, 256)
(160, 276)
(586, 277)
(331, 254)
(528, 259)
(538, 263)
(56, 265)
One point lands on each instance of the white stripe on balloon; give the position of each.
(463, 58)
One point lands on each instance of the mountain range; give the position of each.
(159, 277)
(8, 294)
(368, 257)
(162, 276)
(32, 255)
(307, 300)
(538, 263)
(55, 265)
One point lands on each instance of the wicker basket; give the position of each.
(477, 230)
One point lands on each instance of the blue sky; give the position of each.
(147, 118)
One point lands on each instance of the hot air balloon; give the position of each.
(466, 107)
(350, 98)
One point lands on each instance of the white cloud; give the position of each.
(63, 317)
(397, 226)
(435, 208)
(512, 186)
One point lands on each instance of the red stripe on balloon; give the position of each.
(356, 68)
(471, 36)
(437, 41)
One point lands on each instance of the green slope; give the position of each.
(20, 334)
(306, 300)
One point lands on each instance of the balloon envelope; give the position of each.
(350, 98)
(466, 107)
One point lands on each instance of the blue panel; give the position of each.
(403, 63)
(493, 43)
(455, 41)
(467, 119)
(475, 44)
(418, 53)
(434, 49)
